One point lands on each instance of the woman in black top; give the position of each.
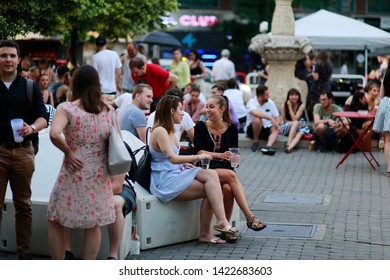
(215, 136)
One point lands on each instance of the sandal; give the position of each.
(214, 240)
(229, 230)
(229, 238)
(288, 150)
(255, 224)
(388, 174)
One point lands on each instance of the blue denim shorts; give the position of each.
(128, 194)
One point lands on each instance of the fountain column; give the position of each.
(282, 49)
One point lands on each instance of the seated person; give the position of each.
(132, 117)
(327, 128)
(214, 137)
(175, 178)
(124, 202)
(194, 106)
(293, 126)
(262, 121)
(372, 96)
(359, 102)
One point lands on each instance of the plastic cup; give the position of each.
(235, 160)
(17, 124)
(184, 144)
(205, 163)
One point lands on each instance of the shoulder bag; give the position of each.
(119, 160)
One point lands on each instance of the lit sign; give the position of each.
(201, 21)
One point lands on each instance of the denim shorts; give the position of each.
(128, 194)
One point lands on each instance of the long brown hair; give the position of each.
(223, 102)
(163, 115)
(86, 87)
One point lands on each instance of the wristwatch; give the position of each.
(33, 128)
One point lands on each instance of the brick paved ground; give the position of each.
(353, 220)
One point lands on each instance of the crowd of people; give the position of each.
(124, 92)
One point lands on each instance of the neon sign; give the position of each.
(198, 21)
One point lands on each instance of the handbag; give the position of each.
(144, 168)
(119, 160)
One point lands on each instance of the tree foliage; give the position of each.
(74, 18)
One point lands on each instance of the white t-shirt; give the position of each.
(223, 70)
(106, 62)
(186, 124)
(268, 108)
(123, 100)
(236, 97)
(201, 97)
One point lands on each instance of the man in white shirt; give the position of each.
(223, 69)
(108, 65)
(262, 121)
(236, 99)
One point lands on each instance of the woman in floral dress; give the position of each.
(82, 196)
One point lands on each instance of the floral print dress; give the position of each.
(84, 199)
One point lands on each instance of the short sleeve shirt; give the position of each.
(130, 118)
(156, 77)
(319, 110)
(268, 108)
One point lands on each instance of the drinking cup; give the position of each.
(235, 160)
(205, 163)
(17, 124)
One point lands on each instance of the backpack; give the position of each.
(29, 91)
(139, 171)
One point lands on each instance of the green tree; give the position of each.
(74, 18)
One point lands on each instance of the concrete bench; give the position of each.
(160, 224)
(47, 165)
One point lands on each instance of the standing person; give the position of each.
(382, 118)
(82, 196)
(45, 69)
(292, 123)
(322, 75)
(17, 159)
(108, 65)
(223, 69)
(43, 82)
(158, 78)
(214, 137)
(127, 81)
(131, 117)
(173, 177)
(262, 121)
(197, 70)
(180, 68)
(59, 87)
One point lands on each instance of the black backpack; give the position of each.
(29, 91)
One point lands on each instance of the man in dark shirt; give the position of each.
(17, 159)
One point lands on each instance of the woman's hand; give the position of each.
(226, 155)
(73, 163)
(204, 156)
(188, 166)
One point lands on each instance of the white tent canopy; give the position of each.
(332, 31)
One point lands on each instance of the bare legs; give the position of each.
(115, 229)
(228, 177)
(294, 135)
(57, 241)
(206, 185)
(386, 135)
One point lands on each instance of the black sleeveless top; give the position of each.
(197, 70)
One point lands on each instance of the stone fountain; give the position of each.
(282, 49)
